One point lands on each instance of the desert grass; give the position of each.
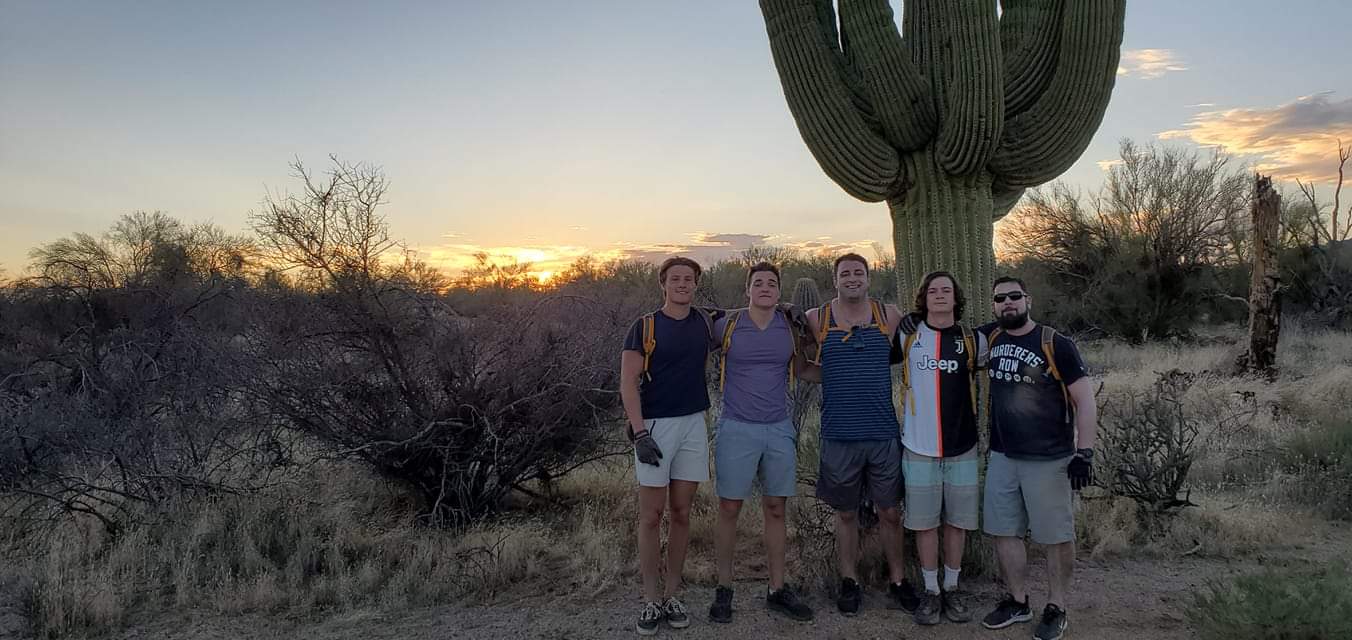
(334, 537)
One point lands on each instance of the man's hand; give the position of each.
(647, 449)
(1081, 469)
(910, 323)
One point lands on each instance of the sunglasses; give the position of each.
(1015, 296)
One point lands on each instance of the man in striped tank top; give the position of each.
(860, 447)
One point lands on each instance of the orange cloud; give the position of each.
(1295, 140)
(1148, 64)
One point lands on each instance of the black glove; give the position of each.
(797, 317)
(646, 448)
(1081, 469)
(910, 322)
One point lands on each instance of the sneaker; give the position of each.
(786, 601)
(848, 602)
(1008, 612)
(721, 609)
(676, 614)
(649, 618)
(902, 596)
(927, 612)
(1053, 624)
(955, 606)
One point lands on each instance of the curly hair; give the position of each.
(959, 300)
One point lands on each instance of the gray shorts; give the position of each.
(1029, 495)
(850, 467)
(685, 451)
(941, 486)
(744, 451)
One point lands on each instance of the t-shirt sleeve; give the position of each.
(1068, 360)
(720, 325)
(633, 341)
(986, 329)
(983, 350)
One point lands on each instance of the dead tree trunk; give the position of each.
(1265, 304)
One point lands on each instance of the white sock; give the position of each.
(950, 578)
(931, 580)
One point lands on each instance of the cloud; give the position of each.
(1108, 164)
(1296, 140)
(1148, 64)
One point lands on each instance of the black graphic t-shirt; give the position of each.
(1029, 416)
(677, 386)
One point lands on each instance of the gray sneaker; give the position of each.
(927, 612)
(676, 614)
(1053, 624)
(649, 618)
(955, 606)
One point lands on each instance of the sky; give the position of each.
(543, 130)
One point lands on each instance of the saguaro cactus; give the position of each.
(951, 122)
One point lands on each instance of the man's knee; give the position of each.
(650, 517)
(890, 516)
(773, 508)
(680, 515)
(729, 509)
(847, 517)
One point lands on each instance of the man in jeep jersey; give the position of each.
(939, 438)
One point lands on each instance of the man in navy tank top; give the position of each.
(860, 447)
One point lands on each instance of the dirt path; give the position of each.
(1115, 599)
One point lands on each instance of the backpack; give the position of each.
(733, 317)
(824, 319)
(1049, 352)
(968, 339)
(650, 334)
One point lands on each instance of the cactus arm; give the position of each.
(818, 88)
(1003, 199)
(974, 97)
(1044, 141)
(894, 84)
(1029, 38)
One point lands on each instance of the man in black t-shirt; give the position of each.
(1043, 421)
(662, 387)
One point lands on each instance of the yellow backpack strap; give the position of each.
(969, 340)
(880, 317)
(793, 342)
(727, 344)
(908, 396)
(824, 322)
(1049, 351)
(649, 341)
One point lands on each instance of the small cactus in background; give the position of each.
(951, 117)
(805, 294)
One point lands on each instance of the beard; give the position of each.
(1013, 320)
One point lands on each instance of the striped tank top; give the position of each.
(857, 383)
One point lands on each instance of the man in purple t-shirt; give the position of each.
(755, 434)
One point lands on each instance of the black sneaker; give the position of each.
(955, 606)
(928, 610)
(649, 618)
(848, 602)
(1053, 624)
(902, 596)
(721, 609)
(676, 614)
(786, 602)
(1008, 612)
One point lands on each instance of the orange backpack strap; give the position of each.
(908, 398)
(649, 341)
(726, 344)
(969, 340)
(1049, 352)
(880, 317)
(824, 327)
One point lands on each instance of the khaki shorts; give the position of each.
(936, 486)
(1029, 495)
(684, 442)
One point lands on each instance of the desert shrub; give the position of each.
(1276, 604)
(1151, 438)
